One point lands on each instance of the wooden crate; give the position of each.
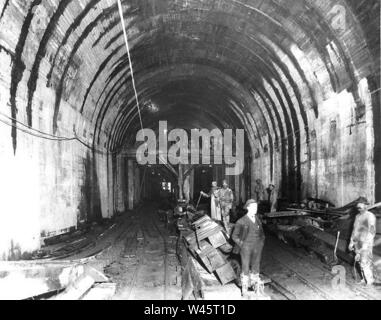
(203, 233)
(226, 273)
(205, 249)
(213, 259)
(217, 240)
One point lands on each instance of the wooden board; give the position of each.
(102, 291)
(281, 214)
(191, 282)
(27, 279)
(205, 249)
(213, 260)
(217, 240)
(226, 273)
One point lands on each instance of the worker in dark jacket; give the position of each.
(249, 237)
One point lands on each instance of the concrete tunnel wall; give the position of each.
(301, 82)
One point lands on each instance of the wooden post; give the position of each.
(236, 188)
(191, 183)
(136, 184)
(180, 181)
(243, 188)
(131, 178)
(120, 184)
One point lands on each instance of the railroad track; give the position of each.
(277, 287)
(147, 227)
(165, 244)
(318, 291)
(140, 251)
(358, 290)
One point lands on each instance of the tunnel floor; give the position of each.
(138, 254)
(147, 267)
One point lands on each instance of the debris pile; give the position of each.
(317, 226)
(87, 238)
(204, 254)
(64, 280)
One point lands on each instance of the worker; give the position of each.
(362, 241)
(226, 198)
(186, 189)
(215, 210)
(272, 197)
(259, 191)
(248, 235)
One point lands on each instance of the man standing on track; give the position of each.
(249, 237)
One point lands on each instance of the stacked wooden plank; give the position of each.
(291, 213)
(211, 258)
(203, 229)
(203, 242)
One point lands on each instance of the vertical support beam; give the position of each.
(370, 134)
(136, 184)
(221, 175)
(110, 188)
(144, 191)
(340, 164)
(236, 188)
(191, 184)
(243, 188)
(130, 183)
(375, 112)
(215, 173)
(377, 146)
(248, 178)
(253, 178)
(181, 181)
(119, 192)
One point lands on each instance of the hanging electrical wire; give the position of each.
(35, 134)
(130, 61)
(53, 137)
(43, 135)
(47, 136)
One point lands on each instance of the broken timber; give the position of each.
(28, 279)
(202, 250)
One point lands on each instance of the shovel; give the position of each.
(335, 259)
(198, 202)
(195, 232)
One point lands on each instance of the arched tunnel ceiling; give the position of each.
(262, 65)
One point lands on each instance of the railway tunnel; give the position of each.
(80, 79)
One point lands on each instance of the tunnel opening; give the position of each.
(301, 78)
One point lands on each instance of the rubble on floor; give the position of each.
(322, 229)
(203, 247)
(85, 238)
(58, 280)
(68, 266)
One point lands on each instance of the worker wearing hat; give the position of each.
(249, 237)
(215, 209)
(259, 191)
(362, 241)
(272, 197)
(226, 198)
